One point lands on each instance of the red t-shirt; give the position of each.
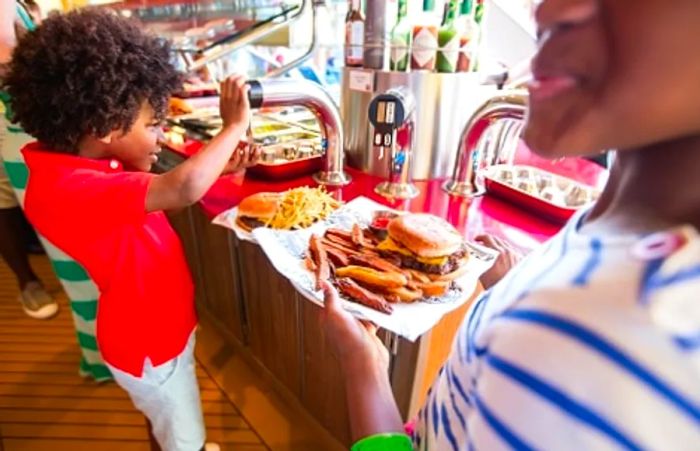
(95, 212)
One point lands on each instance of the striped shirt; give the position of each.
(589, 344)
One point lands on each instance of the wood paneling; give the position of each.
(211, 255)
(181, 222)
(220, 276)
(323, 393)
(272, 308)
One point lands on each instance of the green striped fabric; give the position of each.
(81, 290)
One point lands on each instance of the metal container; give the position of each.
(550, 195)
(444, 103)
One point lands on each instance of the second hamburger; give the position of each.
(428, 244)
(256, 210)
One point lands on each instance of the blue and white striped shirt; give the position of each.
(584, 346)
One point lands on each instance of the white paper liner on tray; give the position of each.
(286, 251)
(228, 219)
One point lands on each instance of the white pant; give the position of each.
(168, 395)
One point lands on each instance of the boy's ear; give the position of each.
(108, 138)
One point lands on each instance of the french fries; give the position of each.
(377, 263)
(434, 289)
(419, 276)
(372, 277)
(301, 208)
(406, 294)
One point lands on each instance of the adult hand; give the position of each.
(508, 257)
(355, 343)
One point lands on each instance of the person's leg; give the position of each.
(32, 242)
(36, 302)
(13, 247)
(168, 395)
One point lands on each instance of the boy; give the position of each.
(92, 88)
(593, 341)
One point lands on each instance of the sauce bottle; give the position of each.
(425, 39)
(354, 35)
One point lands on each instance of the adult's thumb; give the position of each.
(330, 296)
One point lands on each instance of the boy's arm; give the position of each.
(187, 183)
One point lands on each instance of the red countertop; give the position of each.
(485, 214)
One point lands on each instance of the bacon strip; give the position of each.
(358, 237)
(340, 247)
(309, 262)
(344, 234)
(377, 263)
(338, 257)
(354, 291)
(341, 241)
(320, 258)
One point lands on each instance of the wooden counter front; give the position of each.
(272, 317)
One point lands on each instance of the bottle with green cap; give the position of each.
(479, 11)
(476, 40)
(448, 41)
(467, 29)
(401, 39)
(425, 38)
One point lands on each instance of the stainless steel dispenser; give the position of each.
(281, 92)
(392, 117)
(475, 153)
(444, 103)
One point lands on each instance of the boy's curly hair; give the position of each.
(87, 73)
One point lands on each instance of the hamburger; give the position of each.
(426, 243)
(256, 210)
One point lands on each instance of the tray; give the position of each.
(551, 195)
(287, 249)
(288, 170)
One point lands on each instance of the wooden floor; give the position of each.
(45, 405)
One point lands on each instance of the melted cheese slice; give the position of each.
(392, 246)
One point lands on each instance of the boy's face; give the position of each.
(614, 74)
(138, 148)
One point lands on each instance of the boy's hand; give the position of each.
(507, 259)
(233, 102)
(242, 158)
